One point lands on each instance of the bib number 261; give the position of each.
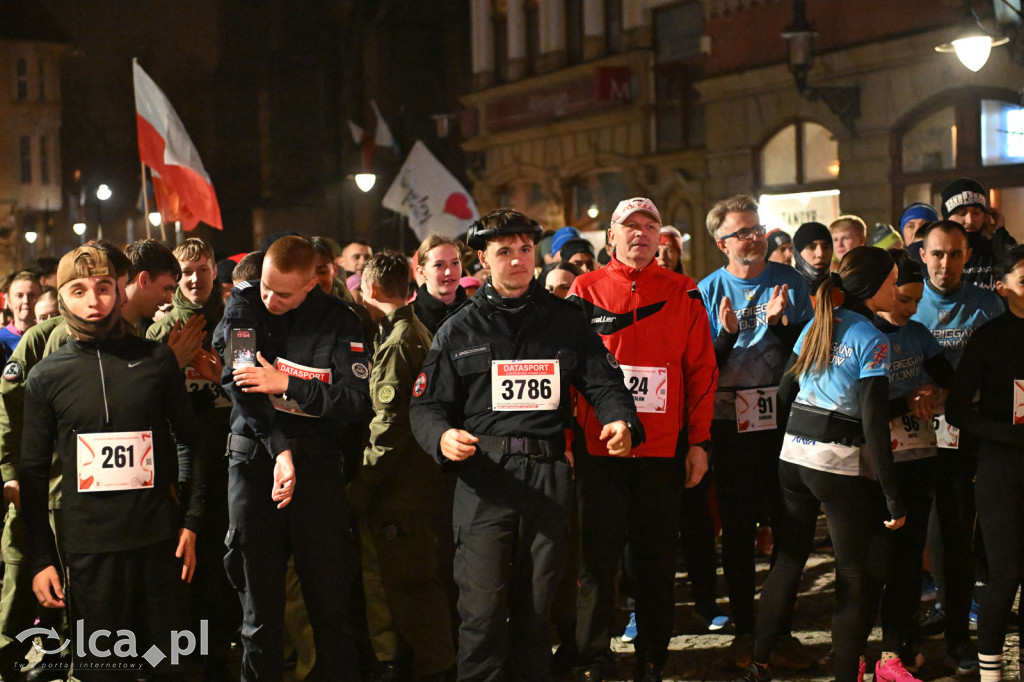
(118, 456)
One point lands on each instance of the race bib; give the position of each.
(1018, 401)
(525, 385)
(196, 383)
(757, 409)
(649, 386)
(910, 433)
(294, 369)
(115, 461)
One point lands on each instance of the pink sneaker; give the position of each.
(892, 671)
(861, 668)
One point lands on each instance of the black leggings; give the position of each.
(1000, 502)
(855, 510)
(902, 598)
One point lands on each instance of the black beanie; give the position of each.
(574, 246)
(809, 232)
(908, 270)
(962, 192)
(873, 267)
(777, 238)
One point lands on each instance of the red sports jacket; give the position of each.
(654, 321)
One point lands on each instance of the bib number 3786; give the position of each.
(115, 461)
(525, 385)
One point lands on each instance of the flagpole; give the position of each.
(145, 200)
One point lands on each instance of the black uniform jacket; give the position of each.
(454, 388)
(321, 333)
(114, 385)
(432, 311)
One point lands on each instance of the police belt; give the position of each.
(250, 446)
(513, 445)
(826, 426)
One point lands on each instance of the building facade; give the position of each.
(579, 103)
(30, 128)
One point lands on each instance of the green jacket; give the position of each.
(209, 401)
(396, 474)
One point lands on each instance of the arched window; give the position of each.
(975, 133)
(798, 168)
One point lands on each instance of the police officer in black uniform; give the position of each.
(307, 374)
(494, 400)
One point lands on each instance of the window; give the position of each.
(532, 37)
(41, 76)
(22, 79)
(25, 157)
(574, 31)
(613, 25)
(678, 65)
(931, 144)
(44, 159)
(598, 194)
(801, 153)
(1002, 133)
(499, 18)
(969, 132)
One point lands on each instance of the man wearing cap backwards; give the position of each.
(17, 603)
(295, 369)
(965, 201)
(757, 309)
(114, 404)
(952, 309)
(653, 321)
(493, 402)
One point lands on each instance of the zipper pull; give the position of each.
(632, 286)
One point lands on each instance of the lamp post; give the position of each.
(103, 193)
(844, 102)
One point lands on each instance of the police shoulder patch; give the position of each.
(386, 393)
(360, 370)
(420, 386)
(13, 371)
(612, 361)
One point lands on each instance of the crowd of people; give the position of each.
(416, 468)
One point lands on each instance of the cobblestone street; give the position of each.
(697, 656)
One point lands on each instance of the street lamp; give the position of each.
(973, 43)
(843, 101)
(593, 211)
(155, 218)
(365, 181)
(103, 193)
(31, 236)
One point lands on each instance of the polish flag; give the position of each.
(182, 187)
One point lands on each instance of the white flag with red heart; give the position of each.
(430, 196)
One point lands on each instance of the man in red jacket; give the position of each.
(653, 321)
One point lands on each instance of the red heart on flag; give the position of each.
(458, 205)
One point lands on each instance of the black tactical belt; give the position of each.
(513, 445)
(824, 425)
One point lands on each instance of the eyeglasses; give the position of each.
(746, 234)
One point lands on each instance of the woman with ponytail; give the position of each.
(835, 453)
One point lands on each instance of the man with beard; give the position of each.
(812, 254)
(757, 309)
